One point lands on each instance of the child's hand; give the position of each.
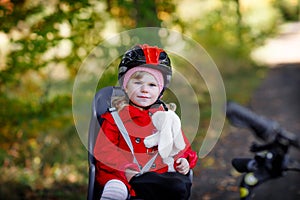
(183, 166)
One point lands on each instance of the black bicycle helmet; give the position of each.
(146, 56)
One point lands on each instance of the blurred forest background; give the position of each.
(43, 43)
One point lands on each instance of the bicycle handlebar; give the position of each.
(263, 128)
(271, 158)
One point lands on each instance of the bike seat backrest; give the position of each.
(103, 98)
(101, 103)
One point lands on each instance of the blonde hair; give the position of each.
(119, 102)
(138, 75)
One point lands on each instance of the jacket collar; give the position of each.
(141, 117)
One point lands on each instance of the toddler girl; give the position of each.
(144, 74)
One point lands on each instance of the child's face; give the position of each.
(143, 91)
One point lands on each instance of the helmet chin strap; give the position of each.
(157, 102)
(136, 105)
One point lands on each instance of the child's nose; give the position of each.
(144, 88)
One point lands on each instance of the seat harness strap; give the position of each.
(126, 137)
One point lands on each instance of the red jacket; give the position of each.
(112, 151)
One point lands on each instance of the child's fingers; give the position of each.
(179, 160)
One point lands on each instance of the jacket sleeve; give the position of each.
(188, 153)
(107, 150)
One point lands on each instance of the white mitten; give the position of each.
(151, 140)
(170, 140)
(168, 137)
(163, 124)
(170, 162)
(179, 143)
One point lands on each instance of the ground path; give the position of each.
(277, 98)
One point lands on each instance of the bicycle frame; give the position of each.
(271, 159)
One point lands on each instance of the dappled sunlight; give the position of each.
(4, 51)
(44, 43)
(194, 9)
(284, 48)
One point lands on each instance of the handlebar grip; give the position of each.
(244, 164)
(240, 116)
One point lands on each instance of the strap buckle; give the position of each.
(112, 109)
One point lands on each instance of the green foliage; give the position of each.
(290, 10)
(48, 41)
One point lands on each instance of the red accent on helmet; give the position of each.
(151, 54)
